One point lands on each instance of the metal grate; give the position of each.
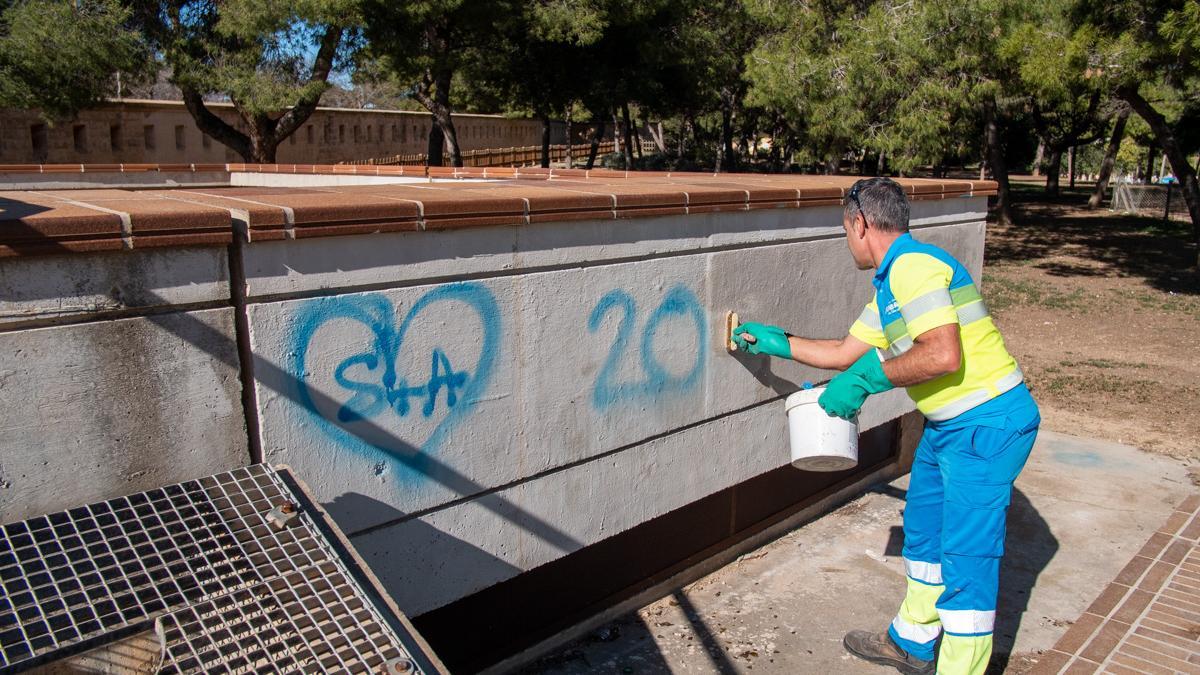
(201, 563)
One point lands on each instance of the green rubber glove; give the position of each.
(845, 393)
(767, 339)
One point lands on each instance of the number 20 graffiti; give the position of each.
(656, 381)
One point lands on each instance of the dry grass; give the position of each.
(1102, 312)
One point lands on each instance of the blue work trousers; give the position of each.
(954, 523)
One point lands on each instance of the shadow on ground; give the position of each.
(1055, 229)
(1029, 547)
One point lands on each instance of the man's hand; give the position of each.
(759, 338)
(846, 392)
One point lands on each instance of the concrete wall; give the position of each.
(553, 386)
(163, 132)
(118, 373)
(470, 404)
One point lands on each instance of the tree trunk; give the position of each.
(881, 163)
(628, 130)
(216, 127)
(1110, 157)
(637, 136)
(1179, 160)
(433, 92)
(1149, 172)
(729, 160)
(545, 141)
(259, 147)
(1037, 160)
(1053, 171)
(1071, 167)
(833, 163)
(656, 135)
(436, 144)
(446, 120)
(995, 154)
(617, 134)
(597, 136)
(570, 142)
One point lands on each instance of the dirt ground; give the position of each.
(1102, 312)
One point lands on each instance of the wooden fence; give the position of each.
(530, 155)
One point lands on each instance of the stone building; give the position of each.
(163, 132)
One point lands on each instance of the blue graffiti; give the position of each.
(372, 377)
(657, 381)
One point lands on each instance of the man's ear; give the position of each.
(860, 225)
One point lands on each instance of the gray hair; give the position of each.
(883, 203)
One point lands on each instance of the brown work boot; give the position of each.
(880, 648)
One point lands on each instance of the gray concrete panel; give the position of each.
(96, 410)
(48, 288)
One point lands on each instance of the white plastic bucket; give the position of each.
(820, 442)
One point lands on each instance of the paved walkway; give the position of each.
(1081, 510)
(1148, 619)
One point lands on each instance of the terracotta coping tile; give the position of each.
(715, 195)
(20, 168)
(329, 207)
(102, 194)
(35, 224)
(208, 215)
(441, 210)
(256, 213)
(579, 173)
(822, 194)
(62, 168)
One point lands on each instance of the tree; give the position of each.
(423, 44)
(919, 82)
(533, 63)
(1063, 102)
(60, 57)
(257, 55)
(1149, 54)
(799, 68)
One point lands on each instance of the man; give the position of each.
(932, 334)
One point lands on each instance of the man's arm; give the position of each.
(936, 352)
(829, 354)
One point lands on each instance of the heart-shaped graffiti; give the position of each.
(353, 423)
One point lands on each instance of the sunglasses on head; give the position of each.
(853, 195)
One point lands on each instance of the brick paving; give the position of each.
(1147, 620)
